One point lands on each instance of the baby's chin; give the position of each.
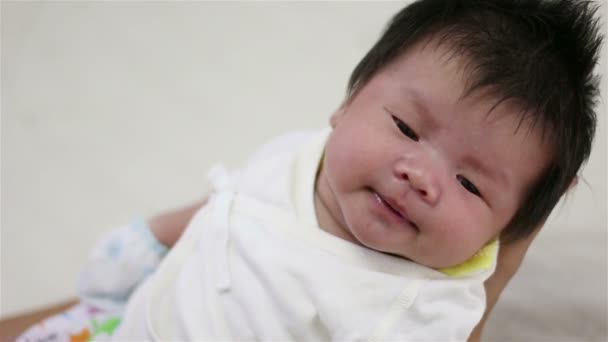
(435, 257)
(441, 261)
(435, 261)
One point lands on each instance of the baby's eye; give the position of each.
(468, 185)
(405, 129)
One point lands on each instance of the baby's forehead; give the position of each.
(430, 53)
(462, 70)
(470, 86)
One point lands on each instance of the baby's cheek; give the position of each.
(349, 160)
(335, 166)
(462, 238)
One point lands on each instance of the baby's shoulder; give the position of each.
(280, 145)
(268, 173)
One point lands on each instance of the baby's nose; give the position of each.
(424, 180)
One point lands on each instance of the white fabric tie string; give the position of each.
(224, 193)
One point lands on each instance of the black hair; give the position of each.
(539, 53)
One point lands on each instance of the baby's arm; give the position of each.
(121, 261)
(169, 226)
(118, 264)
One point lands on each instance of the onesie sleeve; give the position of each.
(118, 264)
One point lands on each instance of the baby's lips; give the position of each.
(401, 210)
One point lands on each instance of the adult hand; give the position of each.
(510, 257)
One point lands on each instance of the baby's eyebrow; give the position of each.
(420, 104)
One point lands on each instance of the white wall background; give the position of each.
(115, 110)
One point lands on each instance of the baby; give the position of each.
(462, 126)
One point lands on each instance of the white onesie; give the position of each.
(253, 264)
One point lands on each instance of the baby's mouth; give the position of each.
(392, 206)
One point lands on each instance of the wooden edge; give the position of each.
(11, 327)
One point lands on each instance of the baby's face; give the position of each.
(412, 168)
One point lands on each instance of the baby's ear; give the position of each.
(335, 118)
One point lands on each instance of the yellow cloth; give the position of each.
(481, 261)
